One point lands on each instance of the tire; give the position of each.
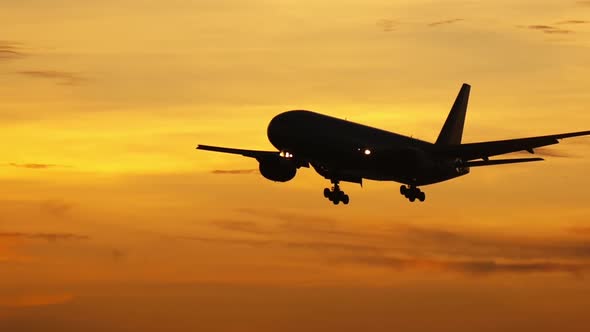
(335, 201)
(422, 196)
(412, 199)
(345, 199)
(403, 190)
(326, 192)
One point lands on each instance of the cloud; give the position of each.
(423, 240)
(580, 230)
(445, 22)
(117, 254)
(469, 267)
(240, 226)
(549, 29)
(220, 240)
(234, 171)
(476, 245)
(62, 77)
(51, 237)
(11, 50)
(320, 246)
(55, 208)
(33, 165)
(48, 208)
(405, 246)
(387, 25)
(583, 3)
(36, 300)
(573, 22)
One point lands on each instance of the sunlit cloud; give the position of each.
(573, 22)
(11, 50)
(445, 22)
(61, 77)
(316, 246)
(240, 226)
(469, 267)
(33, 300)
(34, 165)
(118, 254)
(51, 237)
(387, 25)
(234, 171)
(549, 29)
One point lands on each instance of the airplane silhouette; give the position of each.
(341, 150)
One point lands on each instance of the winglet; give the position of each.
(452, 131)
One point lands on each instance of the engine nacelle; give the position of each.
(277, 169)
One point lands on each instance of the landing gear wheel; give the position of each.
(412, 193)
(335, 195)
(345, 199)
(421, 196)
(403, 190)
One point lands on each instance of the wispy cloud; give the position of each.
(473, 252)
(117, 254)
(387, 25)
(318, 246)
(52, 237)
(222, 240)
(62, 77)
(573, 22)
(33, 300)
(580, 230)
(241, 227)
(445, 22)
(549, 29)
(11, 50)
(583, 3)
(377, 256)
(33, 165)
(469, 267)
(234, 171)
(55, 208)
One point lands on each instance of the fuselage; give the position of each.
(367, 152)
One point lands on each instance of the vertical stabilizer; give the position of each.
(452, 131)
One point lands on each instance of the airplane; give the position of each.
(344, 151)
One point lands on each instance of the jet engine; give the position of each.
(277, 169)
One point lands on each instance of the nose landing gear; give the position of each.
(412, 193)
(335, 195)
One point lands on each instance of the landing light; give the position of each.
(367, 152)
(286, 154)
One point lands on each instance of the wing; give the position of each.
(471, 151)
(256, 154)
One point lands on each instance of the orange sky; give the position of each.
(109, 219)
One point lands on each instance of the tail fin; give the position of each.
(452, 131)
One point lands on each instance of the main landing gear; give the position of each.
(412, 193)
(335, 195)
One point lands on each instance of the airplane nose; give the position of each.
(277, 130)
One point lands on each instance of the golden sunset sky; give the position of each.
(111, 221)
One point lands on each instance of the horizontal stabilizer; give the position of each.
(500, 161)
